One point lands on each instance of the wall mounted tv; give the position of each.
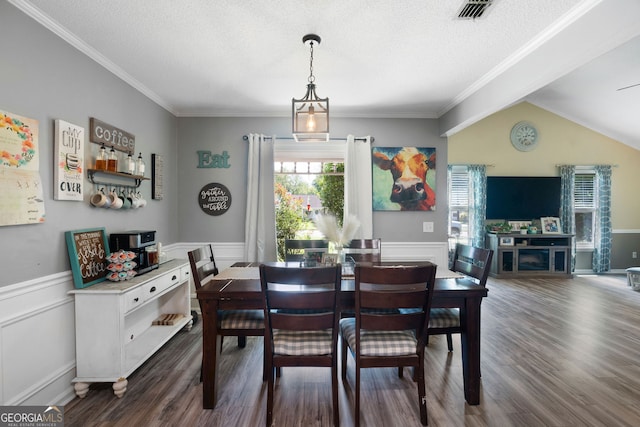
(522, 198)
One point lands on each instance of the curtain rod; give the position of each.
(246, 138)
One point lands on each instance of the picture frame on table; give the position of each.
(550, 225)
(313, 256)
(329, 259)
(506, 241)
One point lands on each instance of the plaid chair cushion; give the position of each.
(302, 343)
(444, 318)
(241, 319)
(379, 343)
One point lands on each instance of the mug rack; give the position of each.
(113, 176)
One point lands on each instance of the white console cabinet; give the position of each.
(114, 331)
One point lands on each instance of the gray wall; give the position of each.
(225, 134)
(44, 78)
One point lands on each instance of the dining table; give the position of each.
(238, 287)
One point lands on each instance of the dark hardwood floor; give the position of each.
(555, 352)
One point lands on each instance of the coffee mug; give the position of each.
(135, 202)
(116, 203)
(126, 202)
(100, 200)
(142, 202)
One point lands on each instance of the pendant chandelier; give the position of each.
(310, 114)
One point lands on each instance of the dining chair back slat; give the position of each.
(364, 250)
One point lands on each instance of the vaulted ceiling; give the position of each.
(377, 58)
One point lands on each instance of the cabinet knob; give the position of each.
(136, 299)
(153, 289)
(174, 277)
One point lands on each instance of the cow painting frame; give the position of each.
(403, 178)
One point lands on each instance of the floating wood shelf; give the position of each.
(113, 176)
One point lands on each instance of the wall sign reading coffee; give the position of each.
(111, 136)
(88, 250)
(214, 199)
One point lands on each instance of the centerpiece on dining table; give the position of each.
(337, 236)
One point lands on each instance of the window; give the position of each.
(585, 204)
(459, 203)
(309, 179)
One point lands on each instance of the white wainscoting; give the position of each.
(37, 323)
(37, 341)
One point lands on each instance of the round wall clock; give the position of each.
(524, 136)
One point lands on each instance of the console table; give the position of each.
(520, 255)
(114, 323)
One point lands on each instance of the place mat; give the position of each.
(448, 274)
(239, 273)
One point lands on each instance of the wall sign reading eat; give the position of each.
(214, 199)
(88, 251)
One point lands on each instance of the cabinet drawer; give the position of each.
(133, 299)
(185, 274)
(161, 284)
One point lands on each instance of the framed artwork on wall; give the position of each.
(417, 189)
(69, 162)
(157, 191)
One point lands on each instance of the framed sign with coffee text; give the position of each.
(68, 180)
(88, 251)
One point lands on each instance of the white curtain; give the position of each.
(357, 184)
(260, 222)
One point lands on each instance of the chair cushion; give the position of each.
(302, 343)
(379, 343)
(241, 319)
(444, 318)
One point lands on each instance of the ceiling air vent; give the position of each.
(472, 9)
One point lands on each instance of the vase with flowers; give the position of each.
(337, 236)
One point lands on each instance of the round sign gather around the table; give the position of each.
(214, 199)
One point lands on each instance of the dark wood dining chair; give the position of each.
(475, 264)
(294, 248)
(382, 338)
(364, 250)
(302, 312)
(239, 323)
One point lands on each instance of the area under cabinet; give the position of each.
(519, 255)
(115, 331)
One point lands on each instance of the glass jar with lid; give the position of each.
(140, 165)
(112, 162)
(101, 159)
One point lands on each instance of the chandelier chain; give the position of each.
(312, 78)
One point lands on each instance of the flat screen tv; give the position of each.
(522, 198)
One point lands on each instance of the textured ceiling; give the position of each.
(378, 58)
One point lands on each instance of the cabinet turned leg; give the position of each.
(81, 389)
(120, 386)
